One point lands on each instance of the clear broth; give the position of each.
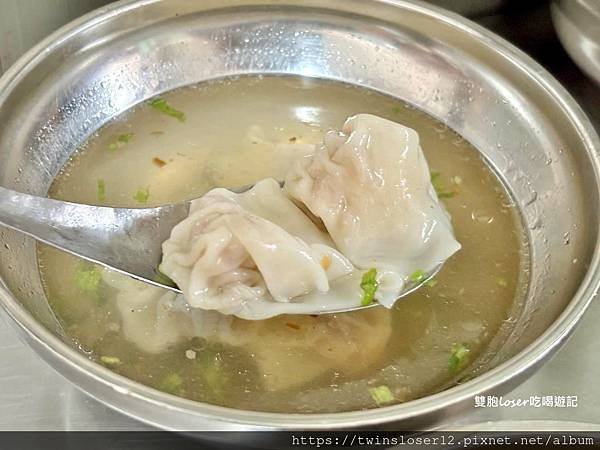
(241, 130)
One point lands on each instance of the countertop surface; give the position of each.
(34, 397)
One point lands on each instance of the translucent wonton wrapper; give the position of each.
(371, 187)
(250, 254)
(288, 350)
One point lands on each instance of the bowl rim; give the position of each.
(58, 352)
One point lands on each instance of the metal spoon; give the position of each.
(127, 240)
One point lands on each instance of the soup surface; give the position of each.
(234, 132)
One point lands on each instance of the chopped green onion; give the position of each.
(396, 109)
(110, 360)
(459, 355)
(171, 383)
(214, 379)
(160, 104)
(101, 190)
(501, 281)
(88, 278)
(211, 371)
(439, 187)
(369, 286)
(157, 132)
(431, 283)
(125, 137)
(141, 196)
(417, 276)
(381, 395)
(121, 140)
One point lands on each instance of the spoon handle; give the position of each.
(126, 239)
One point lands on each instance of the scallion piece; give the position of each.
(431, 283)
(110, 360)
(381, 395)
(88, 278)
(417, 276)
(439, 187)
(121, 140)
(160, 104)
(141, 196)
(101, 190)
(459, 356)
(171, 383)
(369, 286)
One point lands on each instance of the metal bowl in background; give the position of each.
(577, 24)
(523, 122)
(23, 23)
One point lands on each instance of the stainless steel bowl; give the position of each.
(577, 24)
(524, 123)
